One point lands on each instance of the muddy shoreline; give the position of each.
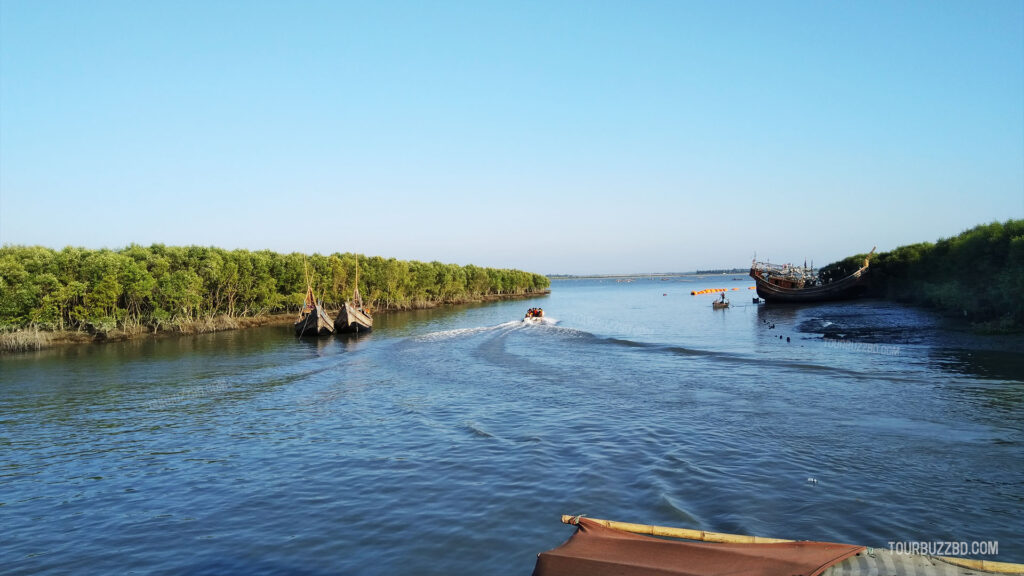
(29, 340)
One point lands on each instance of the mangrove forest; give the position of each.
(159, 287)
(977, 275)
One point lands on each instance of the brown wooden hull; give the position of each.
(353, 320)
(853, 286)
(316, 322)
(719, 305)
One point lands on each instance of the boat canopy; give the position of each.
(596, 550)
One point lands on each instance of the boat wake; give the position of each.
(458, 332)
(550, 326)
(545, 321)
(504, 326)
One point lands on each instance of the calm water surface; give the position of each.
(450, 441)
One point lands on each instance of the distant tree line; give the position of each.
(161, 286)
(978, 274)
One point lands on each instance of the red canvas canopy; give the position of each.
(595, 550)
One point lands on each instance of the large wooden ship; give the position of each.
(799, 284)
(313, 319)
(353, 316)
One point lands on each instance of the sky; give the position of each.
(555, 137)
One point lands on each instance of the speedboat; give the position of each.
(534, 314)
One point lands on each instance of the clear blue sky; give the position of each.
(565, 137)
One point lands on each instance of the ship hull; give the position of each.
(352, 320)
(853, 286)
(316, 322)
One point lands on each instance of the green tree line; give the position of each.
(160, 286)
(978, 274)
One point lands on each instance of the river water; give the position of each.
(450, 441)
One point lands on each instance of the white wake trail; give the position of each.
(455, 333)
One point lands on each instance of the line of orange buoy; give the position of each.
(715, 290)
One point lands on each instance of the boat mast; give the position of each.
(357, 300)
(310, 302)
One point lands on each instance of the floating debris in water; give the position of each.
(812, 480)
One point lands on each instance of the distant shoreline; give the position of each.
(31, 340)
(646, 275)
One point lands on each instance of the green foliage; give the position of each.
(160, 286)
(978, 274)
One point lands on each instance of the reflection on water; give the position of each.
(997, 364)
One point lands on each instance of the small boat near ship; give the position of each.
(313, 319)
(719, 304)
(609, 547)
(353, 316)
(533, 314)
(800, 284)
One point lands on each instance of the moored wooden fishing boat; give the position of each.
(608, 547)
(313, 319)
(799, 284)
(719, 304)
(353, 316)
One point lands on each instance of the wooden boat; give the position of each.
(353, 316)
(534, 314)
(799, 284)
(719, 304)
(608, 547)
(313, 319)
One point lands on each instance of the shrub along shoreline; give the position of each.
(81, 295)
(977, 275)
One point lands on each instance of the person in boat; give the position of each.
(723, 298)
